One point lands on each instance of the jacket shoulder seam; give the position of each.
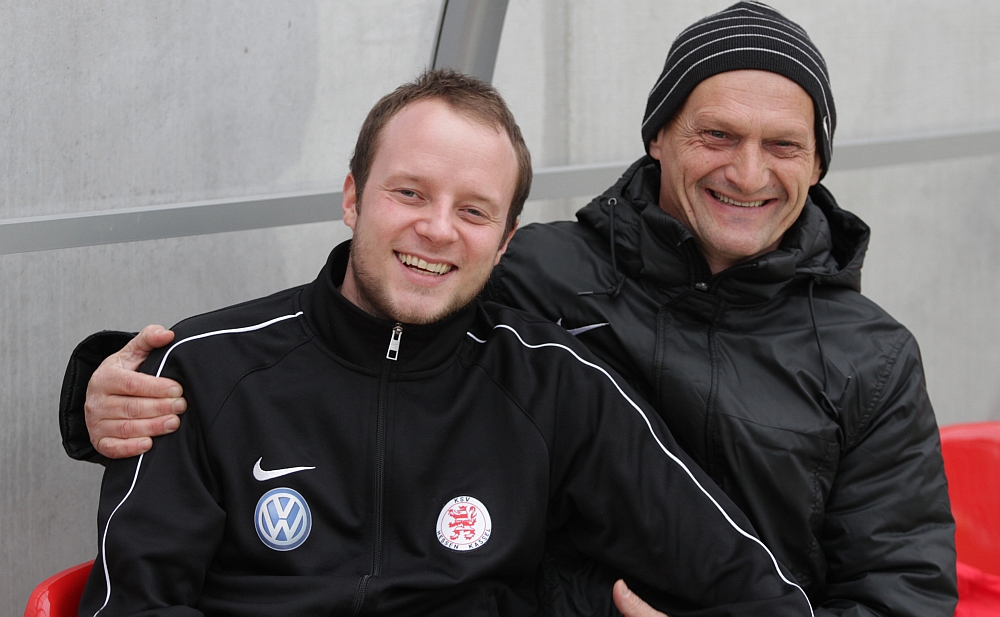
(236, 384)
(878, 392)
(476, 365)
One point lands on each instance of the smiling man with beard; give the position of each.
(381, 442)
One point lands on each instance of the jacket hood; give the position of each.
(826, 243)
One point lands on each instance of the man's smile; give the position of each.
(740, 204)
(423, 267)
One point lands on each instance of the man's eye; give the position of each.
(476, 215)
(787, 148)
(716, 134)
(407, 193)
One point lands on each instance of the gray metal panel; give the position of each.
(575, 180)
(135, 224)
(469, 36)
(42, 233)
(907, 150)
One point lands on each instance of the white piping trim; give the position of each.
(163, 361)
(670, 454)
(104, 538)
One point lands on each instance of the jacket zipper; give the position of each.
(706, 282)
(391, 355)
(714, 280)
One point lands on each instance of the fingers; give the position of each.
(110, 379)
(122, 425)
(123, 448)
(151, 337)
(131, 429)
(101, 408)
(125, 408)
(117, 374)
(125, 438)
(630, 604)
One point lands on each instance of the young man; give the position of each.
(381, 442)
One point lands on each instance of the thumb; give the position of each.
(630, 604)
(137, 350)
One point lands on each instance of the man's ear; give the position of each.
(350, 202)
(506, 242)
(656, 144)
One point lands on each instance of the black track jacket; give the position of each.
(331, 463)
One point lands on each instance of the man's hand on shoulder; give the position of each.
(125, 408)
(630, 604)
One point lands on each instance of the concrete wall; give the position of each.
(115, 104)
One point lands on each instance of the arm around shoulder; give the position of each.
(84, 360)
(109, 410)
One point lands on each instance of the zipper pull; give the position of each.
(397, 333)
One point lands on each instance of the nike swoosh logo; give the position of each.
(582, 329)
(262, 474)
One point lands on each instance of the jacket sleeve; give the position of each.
(84, 360)
(888, 533)
(627, 496)
(160, 523)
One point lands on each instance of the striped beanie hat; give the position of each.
(747, 35)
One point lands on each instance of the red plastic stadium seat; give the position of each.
(59, 595)
(978, 593)
(972, 463)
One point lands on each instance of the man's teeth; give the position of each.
(741, 204)
(420, 264)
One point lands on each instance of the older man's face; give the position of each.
(431, 225)
(737, 162)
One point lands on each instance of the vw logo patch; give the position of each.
(464, 524)
(283, 519)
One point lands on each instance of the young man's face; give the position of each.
(431, 225)
(737, 162)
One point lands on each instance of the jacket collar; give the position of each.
(825, 243)
(361, 339)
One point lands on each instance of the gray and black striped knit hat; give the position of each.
(747, 35)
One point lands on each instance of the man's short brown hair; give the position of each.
(469, 96)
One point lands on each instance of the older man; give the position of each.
(379, 442)
(723, 282)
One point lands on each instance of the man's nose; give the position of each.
(748, 171)
(437, 224)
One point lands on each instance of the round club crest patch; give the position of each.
(464, 524)
(283, 520)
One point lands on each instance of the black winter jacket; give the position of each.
(801, 398)
(334, 463)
